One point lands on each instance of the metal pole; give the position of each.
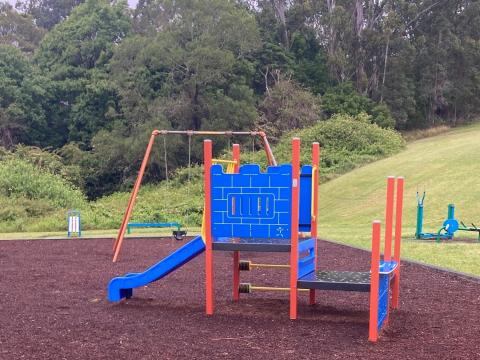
(398, 240)
(294, 227)
(389, 218)
(419, 231)
(451, 212)
(121, 233)
(207, 165)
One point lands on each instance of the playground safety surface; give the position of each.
(53, 306)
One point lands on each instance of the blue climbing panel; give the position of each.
(386, 269)
(306, 257)
(305, 213)
(383, 299)
(251, 203)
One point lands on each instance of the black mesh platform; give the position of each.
(336, 280)
(252, 244)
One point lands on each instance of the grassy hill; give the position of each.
(446, 166)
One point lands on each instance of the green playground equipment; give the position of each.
(449, 226)
(178, 234)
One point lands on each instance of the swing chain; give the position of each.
(165, 157)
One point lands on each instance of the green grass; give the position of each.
(446, 166)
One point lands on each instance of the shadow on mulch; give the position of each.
(53, 306)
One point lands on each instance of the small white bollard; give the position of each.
(74, 223)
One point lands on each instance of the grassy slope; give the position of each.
(447, 166)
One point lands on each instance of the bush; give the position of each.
(21, 179)
(346, 142)
(344, 99)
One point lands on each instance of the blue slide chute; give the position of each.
(122, 287)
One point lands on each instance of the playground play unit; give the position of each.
(449, 226)
(276, 211)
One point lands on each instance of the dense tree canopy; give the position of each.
(94, 78)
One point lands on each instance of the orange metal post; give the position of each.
(398, 239)
(387, 255)
(121, 233)
(236, 254)
(314, 222)
(270, 158)
(207, 161)
(374, 282)
(294, 228)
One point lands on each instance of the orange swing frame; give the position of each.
(133, 196)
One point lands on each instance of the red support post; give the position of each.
(398, 239)
(374, 282)
(209, 290)
(314, 220)
(236, 254)
(387, 255)
(131, 202)
(294, 227)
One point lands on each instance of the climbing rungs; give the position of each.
(247, 288)
(246, 265)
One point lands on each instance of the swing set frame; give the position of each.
(136, 187)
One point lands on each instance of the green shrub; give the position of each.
(346, 142)
(21, 179)
(344, 99)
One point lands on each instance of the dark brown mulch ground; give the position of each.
(53, 306)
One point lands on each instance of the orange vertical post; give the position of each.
(236, 254)
(398, 239)
(209, 290)
(294, 227)
(387, 255)
(374, 282)
(121, 233)
(314, 220)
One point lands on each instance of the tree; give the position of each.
(87, 38)
(287, 107)
(22, 92)
(202, 54)
(18, 30)
(48, 13)
(75, 55)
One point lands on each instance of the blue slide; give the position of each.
(122, 287)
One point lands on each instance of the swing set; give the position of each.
(231, 164)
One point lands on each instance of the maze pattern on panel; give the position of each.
(251, 203)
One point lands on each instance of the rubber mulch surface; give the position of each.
(54, 306)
